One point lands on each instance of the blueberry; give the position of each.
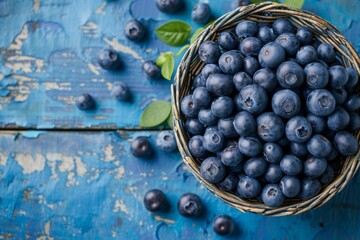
(255, 167)
(272, 196)
(250, 146)
(286, 103)
(251, 65)
(188, 107)
(353, 78)
(231, 62)
(338, 76)
(306, 55)
(346, 143)
(314, 167)
(209, 52)
(201, 13)
(299, 149)
(265, 78)
(340, 95)
(291, 165)
(250, 46)
(354, 124)
(237, 168)
(338, 120)
(223, 225)
(290, 186)
(165, 141)
(84, 102)
(244, 124)
(239, 3)
(109, 59)
(228, 40)
(283, 142)
(212, 170)
(327, 176)
(298, 129)
(248, 187)
(246, 28)
(326, 52)
(352, 103)
(151, 70)
(155, 200)
(252, 98)
(309, 188)
(306, 92)
(169, 6)
(201, 97)
(289, 42)
(318, 124)
(290, 75)
(282, 25)
(231, 156)
(317, 76)
(241, 80)
(270, 127)
(141, 147)
(209, 69)
(196, 147)
(319, 146)
(273, 173)
(333, 154)
(120, 91)
(194, 126)
(272, 152)
(199, 81)
(271, 55)
(320, 102)
(226, 127)
(304, 35)
(214, 141)
(220, 84)
(134, 30)
(229, 183)
(266, 34)
(190, 205)
(207, 118)
(222, 107)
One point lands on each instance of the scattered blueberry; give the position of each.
(109, 59)
(151, 70)
(120, 91)
(223, 225)
(201, 13)
(248, 187)
(319, 146)
(228, 40)
(272, 195)
(169, 6)
(84, 102)
(190, 205)
(134, 30)
(165, 141)
(155, 200)
(290, 186)
(209, 52)
(141, 147)
(271, 55)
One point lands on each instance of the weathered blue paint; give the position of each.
(48, 55)
(87, 185)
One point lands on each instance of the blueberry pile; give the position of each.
(272, 112)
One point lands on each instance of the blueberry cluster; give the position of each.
(271, 111)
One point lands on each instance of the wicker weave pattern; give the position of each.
(191, 65)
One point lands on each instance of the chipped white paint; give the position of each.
(67, 99)
(80, 167)
(3, 159)
(109, 85)
(18, 41)
(90, 29)
(100, 9)
(120, 171)
(65, 86)
(29, 163)
(115, 44)
(94, 68)
(24, 63)
(1, 76)
(120, 206)
(36, 5)
(165, 220)
(108, 151)
(47, 232)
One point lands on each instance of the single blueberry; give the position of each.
(223, 224)
(299, 149)
(84, 102)
(271, 55)
(314, 167)
(120, 91)
(318, 124)
(226, 127)
(196, 147)
(252, 98)
(320, 102)
(354, 124)
(214, 141)
(248, 187)
(290, 186)
(250, 146)
(231, 62)
(306, 54)
(244, 124)
(194, 126)
(250, 46)
(151, 70)
(338, 76)
(273, 173)
(188, 107)
(319, 146)
(228, 40)
(338, 120)
(209, 52)
(298, 129)
(155, 200)
(255, 167)
(266, 34)
(286, 103)
(272, 152)
(241, 80)
(201, 97)
(353, 78)
(304, 35)
(207, 118)
(109, 59)
(270, 127)
(309, 188)
(290, 75)
(209, 69)
(340, 95)
(134, 30)
(251, 65)
(169, 6)
(317, 76)
(141, 147)
(272, 195)
(222, 107)
(265, 78)
(199, 81)
(282, 25)
(212, 170)
(346, 143)
(333, 154)
(326, 52)
(352, 104)
(229, 183)
(291, 165)
(165, 141)
(237, 168)
(201, 13)
(327, 176)
(246, 28)
(289, 42)
(190, 205)
(231, 156)
(220, 84)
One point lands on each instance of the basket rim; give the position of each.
(351, 165)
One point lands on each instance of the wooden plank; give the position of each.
(72, 185)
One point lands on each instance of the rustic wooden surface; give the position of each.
(59, 184)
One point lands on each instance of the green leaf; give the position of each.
(167, 68)
(256, 1)
(155, 114)
(163, 58)
(174, 33)
(294, 3)
(170, 120)
(196, 34)
(182, 50)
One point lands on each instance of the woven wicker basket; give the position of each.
(191, 65)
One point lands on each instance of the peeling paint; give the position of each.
(120, 206)
(36, 5)
(115, 44)
(108, 151)
(18, 41)
(3, 159)
(29, 163)
(90, 29)
(101, 10)
(94, 68)
(165, 220)
(120, 171)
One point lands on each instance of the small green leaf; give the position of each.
(163, 58)
(182, 50)
(170, 120)
(155, 114)
(256, 1)
(294, 3)
(196, 34)
(167, 68)
(174, 33)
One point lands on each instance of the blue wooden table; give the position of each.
(68, 174)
